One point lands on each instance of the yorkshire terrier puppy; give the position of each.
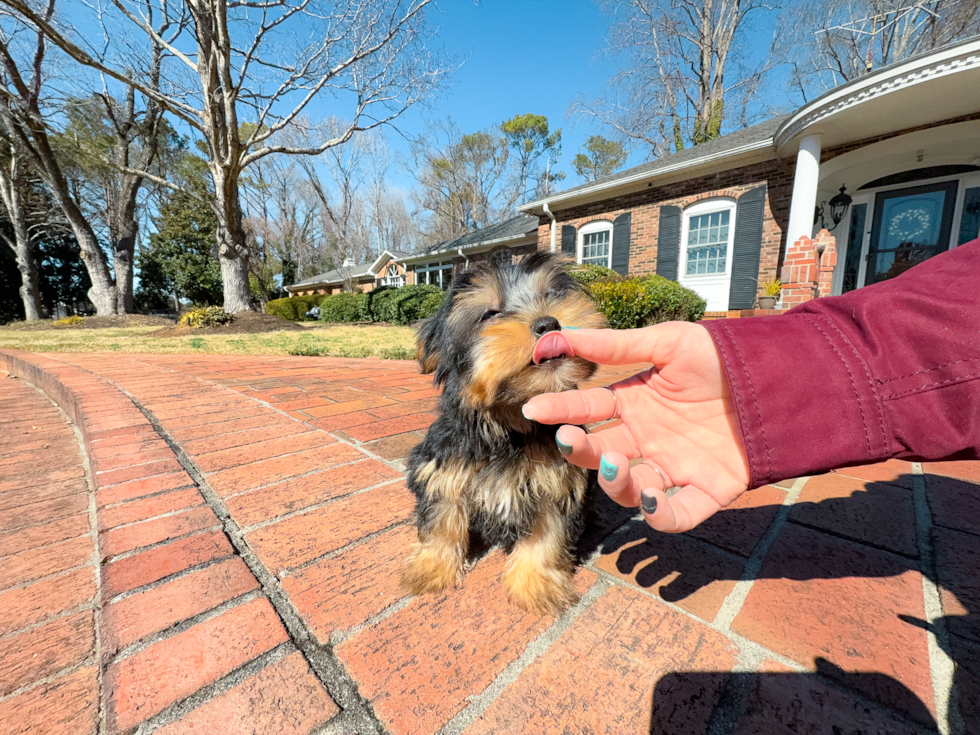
(483, 468)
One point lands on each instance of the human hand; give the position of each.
(678, 417)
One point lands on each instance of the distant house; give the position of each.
(385, 270)
(437, 264)
(902, 144)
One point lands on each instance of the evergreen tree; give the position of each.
(180, 260)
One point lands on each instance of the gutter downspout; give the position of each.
(460, 252)
(554, 224)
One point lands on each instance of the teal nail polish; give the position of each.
(649, 503)
(564, 448)
(607, 469)
(566, 327)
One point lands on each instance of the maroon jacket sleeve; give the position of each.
(889, 370)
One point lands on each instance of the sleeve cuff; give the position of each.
(805, 397)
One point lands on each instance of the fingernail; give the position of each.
(564, 448)
(567, 327)
(649, 503)
(608, 469)
(524, 412)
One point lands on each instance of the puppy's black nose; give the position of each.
(543, 325)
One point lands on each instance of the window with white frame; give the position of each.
(708, 241)
(435, 274)
(595, 244)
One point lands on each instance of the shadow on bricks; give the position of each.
(840, 538)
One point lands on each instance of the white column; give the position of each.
(804, 189)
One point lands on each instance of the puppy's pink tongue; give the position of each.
(552, 345)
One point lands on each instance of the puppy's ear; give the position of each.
(427, 347)
(430, 337)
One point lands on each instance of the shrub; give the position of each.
(645, 300)
(589, 273)
(670, 301)
(293, 308)
(625, 304)
(206, 316)
(69, 321)
(405, 305)
(344, 307)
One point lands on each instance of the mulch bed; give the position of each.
(245, 322)
(95, 322)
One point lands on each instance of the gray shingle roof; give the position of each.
(334, 276)
(522, 224)
(690, 156)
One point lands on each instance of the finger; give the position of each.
(652, 344)
(682, 511)
(615, 479)
(586, 450)
(572, 407)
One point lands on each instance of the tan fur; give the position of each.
(436, 560)
(538, 575)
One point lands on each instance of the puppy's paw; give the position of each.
(540, 590)
(431, 569)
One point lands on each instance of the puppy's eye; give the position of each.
(488, 315)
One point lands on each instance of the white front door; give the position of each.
(705, 264)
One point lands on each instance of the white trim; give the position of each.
(436, 267)
(591, 228)
(710, 286)
(950, 60)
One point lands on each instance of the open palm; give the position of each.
(678, 416)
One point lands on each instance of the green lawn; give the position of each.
(340, 341)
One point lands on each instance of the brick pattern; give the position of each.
(808, 269)
(830, 613)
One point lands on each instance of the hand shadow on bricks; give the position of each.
(726, 703)
(692, 564)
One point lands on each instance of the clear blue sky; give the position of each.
(518, 56)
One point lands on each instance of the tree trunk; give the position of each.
(123, 250)
(103, 291)
(232, 246)
(29, 291)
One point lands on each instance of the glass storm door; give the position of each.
(910, 226)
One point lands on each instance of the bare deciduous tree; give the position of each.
(24, 120)
(261, 64)
(460, 179)
(15, 192)
(687, 67)
(839, 40)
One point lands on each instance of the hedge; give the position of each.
(344, 307)
(588, 273)
(293, 308)
(405, 305)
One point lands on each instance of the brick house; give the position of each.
(757, 204)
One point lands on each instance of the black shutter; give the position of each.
(668, 242)
(568, 244)
(746, 248)
(622, 226)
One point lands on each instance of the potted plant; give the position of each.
(771, 289)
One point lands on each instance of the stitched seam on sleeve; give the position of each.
(850, 375)
(753, 474)
(928, 370)
(755, 403)
(868, 377)
(923, 388)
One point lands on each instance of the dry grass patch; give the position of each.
(338, 341)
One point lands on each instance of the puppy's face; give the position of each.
(481, 341)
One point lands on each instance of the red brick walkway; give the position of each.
(251, 518)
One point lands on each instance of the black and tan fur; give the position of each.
(483, 468)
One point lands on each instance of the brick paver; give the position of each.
(248, 581)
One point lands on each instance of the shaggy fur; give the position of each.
(483, 469)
